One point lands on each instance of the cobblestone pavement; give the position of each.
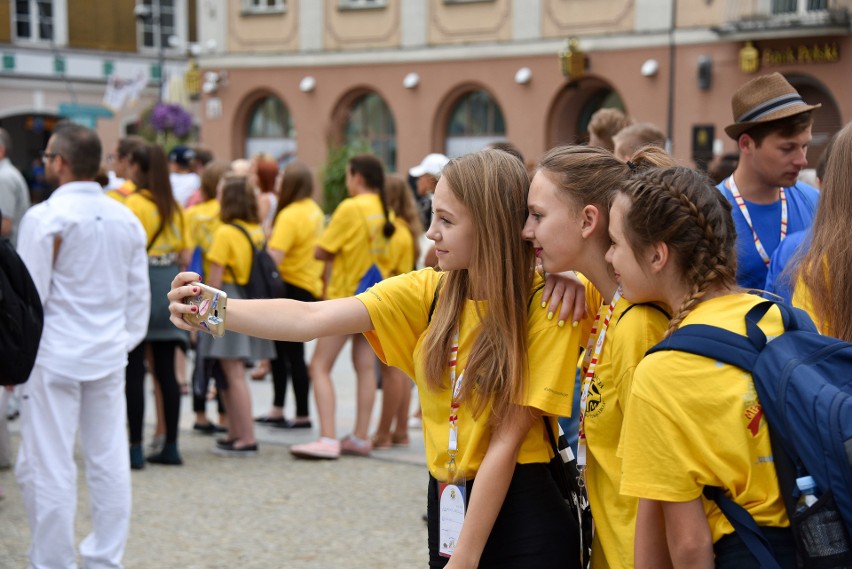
(269, 511)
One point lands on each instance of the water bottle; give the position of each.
(807, 486)
(822, 530)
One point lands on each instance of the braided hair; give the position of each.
(681, 208)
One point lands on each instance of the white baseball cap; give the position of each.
(432, 164)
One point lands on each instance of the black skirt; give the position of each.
(533, 529)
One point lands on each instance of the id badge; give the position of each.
(451, 510)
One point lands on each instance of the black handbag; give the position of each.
(563, 468)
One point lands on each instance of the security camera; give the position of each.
(142, 12)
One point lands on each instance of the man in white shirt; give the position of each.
(86, 254)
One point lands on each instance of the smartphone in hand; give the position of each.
(212, 306)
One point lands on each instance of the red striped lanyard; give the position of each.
(744, 210)
(590, 362)
(455, 385)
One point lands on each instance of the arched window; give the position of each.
(475, 121)
(370, 121)
(270, 131)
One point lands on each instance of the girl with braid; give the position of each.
(691, 422)
(568, 218)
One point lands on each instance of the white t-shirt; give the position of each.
(184, 185)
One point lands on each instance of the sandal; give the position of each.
(381, 443)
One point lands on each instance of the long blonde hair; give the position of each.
(401, 202)
(493, 185)
(832, 244)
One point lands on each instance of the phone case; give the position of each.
(212, 305)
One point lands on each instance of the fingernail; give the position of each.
(543, 304)
(195, 289)
(550, 315)
(561, 323)
(195, 309)
(575, 323)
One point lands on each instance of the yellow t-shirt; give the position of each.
(120, 193)
(174, 237)
(230, 248)
(630, 333)
(399, 310)
(354, 235)
(203, 220)
(401, 248)
(296, 232)
(693, 422)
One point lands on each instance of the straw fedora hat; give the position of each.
(763, 99)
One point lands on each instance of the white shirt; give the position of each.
(96, 296)
(184, 185)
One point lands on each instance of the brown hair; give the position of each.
(493, 186)
(371, 170)
(786, 127)
(210, 177)
(266, 170)
(681, 208)
(296, 184)
(588, 175)
(238, 201)
(635, 136)
(154, 176)
(826, 267)
(127, 144)
(605, 123)
(401, 203)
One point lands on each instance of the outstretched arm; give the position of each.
(279, 318)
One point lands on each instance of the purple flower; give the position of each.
(171, 118)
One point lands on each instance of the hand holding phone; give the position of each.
(212, 305)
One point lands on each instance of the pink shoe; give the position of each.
(323, 448)
(349, 446)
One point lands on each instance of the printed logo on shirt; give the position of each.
(753, 412)
(594, 402)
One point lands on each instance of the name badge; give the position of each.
(451, 508)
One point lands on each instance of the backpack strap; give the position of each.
(435, 299)
(657, 307)
(253, 251)
(745, 526)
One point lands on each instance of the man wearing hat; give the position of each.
(183, 179)
(773, 129)
(427, 174)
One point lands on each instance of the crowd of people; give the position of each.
(510, 294)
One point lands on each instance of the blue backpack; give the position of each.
(804, 383)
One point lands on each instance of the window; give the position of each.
(33, 20)
(475, 121)
(361, 4)
(270, 131)
(370, 121)
(158, 23)
(466, 1)
(264, 6)
(780, 7)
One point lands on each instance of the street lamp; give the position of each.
(145, 14)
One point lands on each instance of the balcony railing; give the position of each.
(770, 14)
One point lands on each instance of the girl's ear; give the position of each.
(659, 256)
(590, 219)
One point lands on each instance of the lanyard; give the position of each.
(744, 210)
(455, 385)
(590, 362)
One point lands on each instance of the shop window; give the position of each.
(33, 20)
(270, 131)
(370, 121)
(475, 121)
(264, 6)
